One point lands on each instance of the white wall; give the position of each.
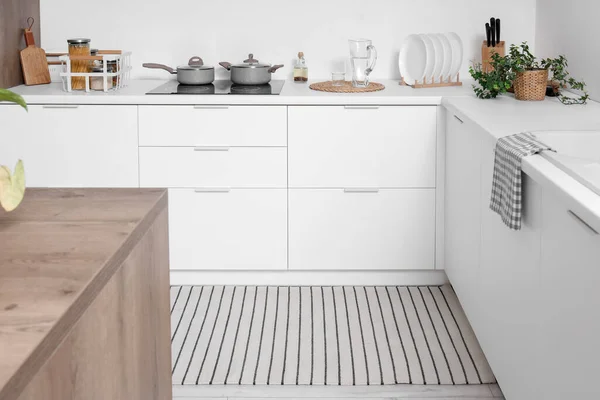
(170, 32)
(569, 28)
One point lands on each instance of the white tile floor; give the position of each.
(404, 392)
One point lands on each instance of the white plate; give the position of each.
(457, 53)
(447, 64)
(412, 60)
(430, 63)
(439, 56)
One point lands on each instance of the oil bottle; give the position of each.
(300, 69)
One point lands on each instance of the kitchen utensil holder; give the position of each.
(486, 54)
(120, 78)
(433, 84)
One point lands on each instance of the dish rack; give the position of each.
(120, 78)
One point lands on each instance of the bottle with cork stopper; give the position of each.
(300, 69)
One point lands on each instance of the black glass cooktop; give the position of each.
(219, 87)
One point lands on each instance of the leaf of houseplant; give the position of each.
(7, 95)
(12, 186)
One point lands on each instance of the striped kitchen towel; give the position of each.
(506, 186)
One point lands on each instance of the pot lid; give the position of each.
(195, 63)
(251, 62)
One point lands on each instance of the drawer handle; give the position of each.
(60, 106)
(211, 148)
(361, 190)
(458, 119)
(212, 190)
(206, 107)
(361, 107)
(582, 222)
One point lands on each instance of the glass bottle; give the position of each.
(300, 69)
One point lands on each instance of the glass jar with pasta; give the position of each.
(79, 47)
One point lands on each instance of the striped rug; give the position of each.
(245, 335)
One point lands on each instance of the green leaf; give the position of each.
(12, 186)
(7, 95)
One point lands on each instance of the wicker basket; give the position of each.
(531, 85)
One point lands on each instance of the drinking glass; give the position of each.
(338, 78)
(363, 57)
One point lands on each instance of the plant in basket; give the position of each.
(521, 71)
(12, 185)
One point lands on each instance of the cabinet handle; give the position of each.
(361, 190)
(211, 148)
(582, 222)
(60, 106)
(361, 107)
(459, 120)
(212, 190)
(207, 107)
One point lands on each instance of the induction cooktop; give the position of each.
(219, 87)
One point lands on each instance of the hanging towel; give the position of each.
(506, 185)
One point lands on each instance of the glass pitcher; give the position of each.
(362, 59)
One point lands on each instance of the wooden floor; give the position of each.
(405, 392)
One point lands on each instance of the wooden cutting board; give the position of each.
(34, 62)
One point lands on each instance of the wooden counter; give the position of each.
(84, 296)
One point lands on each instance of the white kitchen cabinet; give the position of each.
(221, 229)
(567, 338)
(463, 205)
(362, 146)
(213, 167)
(213, 125)
(335, 229)
(72, 145)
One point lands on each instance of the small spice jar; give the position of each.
(79, 47)
(97, 82)
(112, 67)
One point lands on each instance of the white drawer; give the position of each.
(333, 229)
(212, 125)
(388, 146)
(239, 229)
(213, 167)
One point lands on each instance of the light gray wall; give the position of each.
(171, 32)
(570, 28)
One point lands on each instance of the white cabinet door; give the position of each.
(213, 126)
(333, 229)
(338, 147)
(570, 303)
(72, 146)
(462, 206)
(257, 167)
(508, 286)
(238, 229)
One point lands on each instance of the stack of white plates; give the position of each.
(431, 58)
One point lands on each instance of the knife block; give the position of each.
(486, 54)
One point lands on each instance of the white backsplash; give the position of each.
(172, 32)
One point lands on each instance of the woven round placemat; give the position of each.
(346, 88)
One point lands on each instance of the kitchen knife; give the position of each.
(493, 29)
(488, 33)
(498, 30)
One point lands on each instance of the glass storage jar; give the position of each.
(79, 47)
(97, 82)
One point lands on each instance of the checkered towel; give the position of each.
(506, 185)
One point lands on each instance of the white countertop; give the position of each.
(292, 94)
(506, 116)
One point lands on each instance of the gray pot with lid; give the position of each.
(251, 71)
(194, 73)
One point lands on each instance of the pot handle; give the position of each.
(225, 65)
(159, 66)
(195, 62)
(274, 68)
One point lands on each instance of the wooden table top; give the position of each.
(57, 251)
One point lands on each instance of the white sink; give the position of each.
(577, 154)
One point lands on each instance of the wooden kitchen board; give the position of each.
(34, 62)
(13, 19)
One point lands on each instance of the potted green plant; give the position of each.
(12, 185)
(521, 71)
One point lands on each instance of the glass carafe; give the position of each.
(362, 60)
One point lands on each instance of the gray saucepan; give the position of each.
(251, 71)
(195, 73)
